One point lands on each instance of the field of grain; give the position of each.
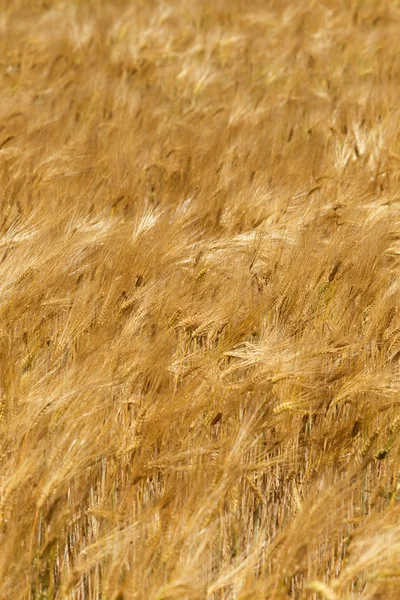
(199, 300)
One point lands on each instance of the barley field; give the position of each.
(199, 300)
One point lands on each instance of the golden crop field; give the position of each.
(199, 299)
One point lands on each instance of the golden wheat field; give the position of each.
(199, 299)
